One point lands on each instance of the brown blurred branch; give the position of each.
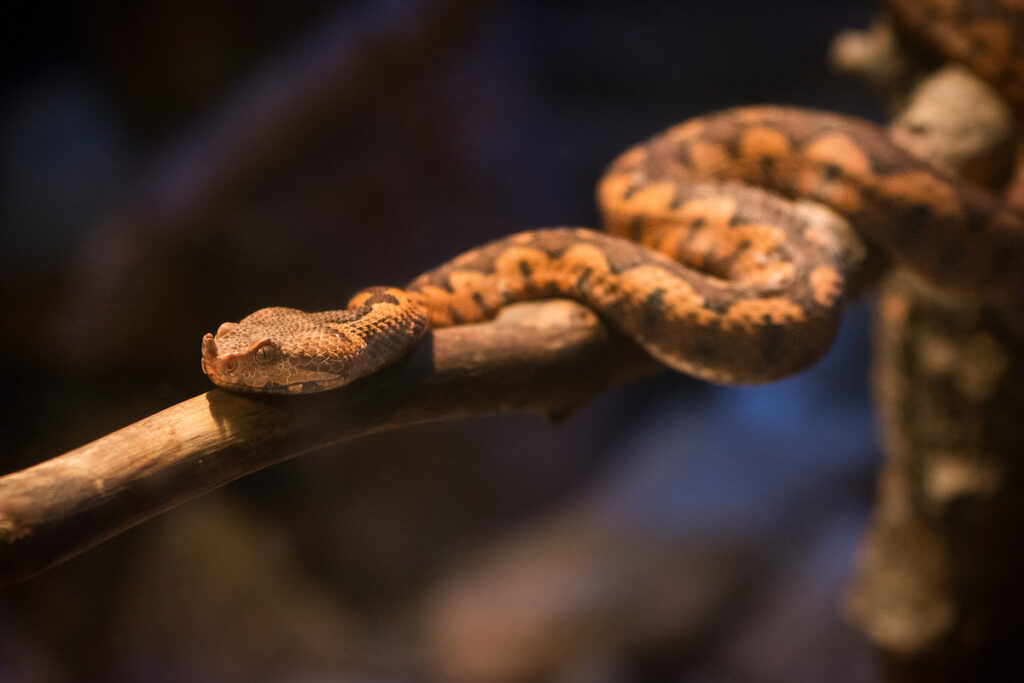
(937, 587)
(545, 357)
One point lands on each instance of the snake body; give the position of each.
(706, 263)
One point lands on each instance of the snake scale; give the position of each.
(706, 261)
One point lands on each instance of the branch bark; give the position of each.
(545, 357)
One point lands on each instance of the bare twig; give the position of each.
(545, 357)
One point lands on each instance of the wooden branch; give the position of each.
(937, 585)
(546, 357)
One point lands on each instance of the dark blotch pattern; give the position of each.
(654, 310)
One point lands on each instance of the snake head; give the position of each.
(269, 352)
(286, 351)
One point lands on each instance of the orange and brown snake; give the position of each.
(707, 263)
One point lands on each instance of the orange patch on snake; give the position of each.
(581, 257)
(921, 187)
(668, 241)
(614, 186)
(756, 238)
(679, 296)
(751, 312)
(713, 246)
(842, 192)
(771, 277)
(654, 197)
(708, 160)
(844, 197)
(840, 151)
(469, 281)
(761, 142)
(441, 310)
(713, 211)
(610, 191)
(826, 284)
(700, 246)
(509, 263)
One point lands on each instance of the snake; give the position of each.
(707, 260)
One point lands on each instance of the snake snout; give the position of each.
(213, 365)
(209, 353)
(209, 346)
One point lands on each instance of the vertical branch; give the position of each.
(938, 583)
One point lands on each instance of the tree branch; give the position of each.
(937, 585)
(546, 357)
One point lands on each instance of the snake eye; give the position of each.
(265, 353)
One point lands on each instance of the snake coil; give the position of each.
(707, 263)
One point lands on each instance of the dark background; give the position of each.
(132, 223)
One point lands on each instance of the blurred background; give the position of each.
(166, 166)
